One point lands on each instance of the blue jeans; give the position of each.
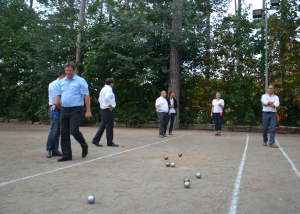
(269, 120)
(172, 116)
(54, 134)
(218, 122)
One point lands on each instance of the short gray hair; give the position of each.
(162, 92)
(218, 93)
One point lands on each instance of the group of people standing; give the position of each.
(166, 110)
(69, 92)
(67, 95)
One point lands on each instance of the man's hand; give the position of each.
(172, 106)
(88, 114)
(169, 113)
(211, 114)
(158, 109)
(111, 108)
(53, 107)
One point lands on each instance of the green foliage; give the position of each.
(131, 43)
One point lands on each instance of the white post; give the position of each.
(266, 47)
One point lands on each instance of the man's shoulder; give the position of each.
(54, 82)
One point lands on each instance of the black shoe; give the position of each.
(57, 153)
(64, 159)
(114, 145)
(84, 152)
(97, 144)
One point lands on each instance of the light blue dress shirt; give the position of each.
(72, 91)
(53, 89)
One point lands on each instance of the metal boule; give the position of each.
(186, 180)
(186, 184)
(198, 175)
(173, 164)
(179, 154)
(91, 199)
(166, 157)
(168, 164)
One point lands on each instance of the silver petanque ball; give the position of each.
(166, 157)
(91, 199)
(198, 175)
(173, 164)
(168, 164)
(179, 154)
(187, 184)
(186, 180)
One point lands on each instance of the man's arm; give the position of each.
(212, 110)
(88, 105)
(156, 106)
(56, 102)
(109, 99)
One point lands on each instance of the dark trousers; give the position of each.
(218, 122)
(269, 120)
(69, 124)
(172, 116)
(162, 117)
(107, 123)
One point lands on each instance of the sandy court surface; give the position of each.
(134, 179)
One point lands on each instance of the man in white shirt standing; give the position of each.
(107, 104)
(54, 134)
(162, 109)
(270, 102)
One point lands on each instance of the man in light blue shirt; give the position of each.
(54, 134)
(73, 91)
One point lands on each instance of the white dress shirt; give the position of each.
(162, 103)
(266, 98)
(217, 108)
(53, 90)
(107, 97)
(172, 110)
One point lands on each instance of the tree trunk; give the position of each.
(175, 55)
(126, 6)
(79, 38)
(31, 3)
(208, 45)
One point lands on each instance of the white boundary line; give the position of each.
(238, 181)
(287, 157)
(77, 164)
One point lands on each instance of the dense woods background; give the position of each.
(143, 45)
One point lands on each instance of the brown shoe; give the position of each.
(265, 144)
(170, 134)
(58, 153)
(273, 146)
(48, 154)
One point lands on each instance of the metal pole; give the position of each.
(266, 47)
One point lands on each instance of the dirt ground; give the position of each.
(137, 181)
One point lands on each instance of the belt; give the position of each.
(72, 107)
(268, 112)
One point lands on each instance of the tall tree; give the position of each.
(175, 55)
(79, 37)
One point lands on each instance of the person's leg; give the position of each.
(65, 133)
(110, 127)
(216, 122)
(265, 120)
(166, 124)
(56, 144)
(220, 123)
(75, 119)
(272, 128)
(102, 127)
(161, 122)
(172, 122)
(54, 131)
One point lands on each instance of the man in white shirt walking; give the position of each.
(270, 102)
(162, 109)
(107, 104)
(54, 134)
